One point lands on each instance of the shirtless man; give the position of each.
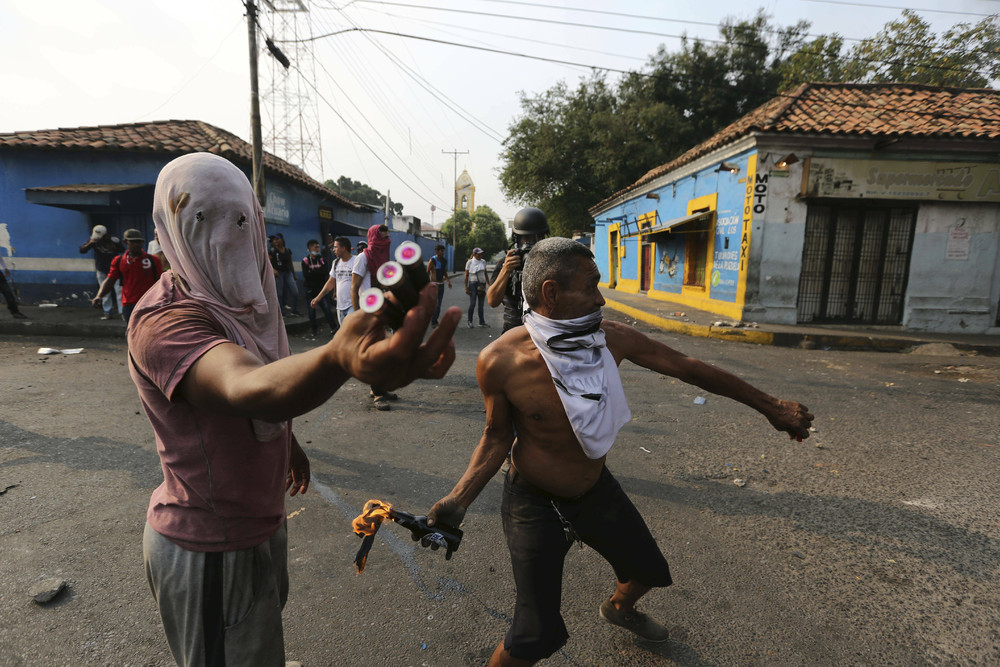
(558, 489)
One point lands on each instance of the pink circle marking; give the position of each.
(407, 253)
(371, 300)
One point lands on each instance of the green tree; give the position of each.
(363, 194)
(572, 147)
(488, 231)
(905, 50)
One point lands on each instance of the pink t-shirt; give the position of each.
(222, 489)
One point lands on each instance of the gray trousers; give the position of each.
(220, 608)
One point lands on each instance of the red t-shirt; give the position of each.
(222, 489)
(137, 274)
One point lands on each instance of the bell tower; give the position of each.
(465, 193)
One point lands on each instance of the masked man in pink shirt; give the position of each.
(209, 356)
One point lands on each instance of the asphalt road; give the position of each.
(876, 541)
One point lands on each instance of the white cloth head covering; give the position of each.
(586, 377)
(211, 228)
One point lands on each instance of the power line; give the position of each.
(521, 38)
(428, 86)
(649, 75)
(865, 4)
(365, 144)
(660, 34)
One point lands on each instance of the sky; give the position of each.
(379, 108)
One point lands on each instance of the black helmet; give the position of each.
(530, 221)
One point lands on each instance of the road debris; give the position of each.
(46, 588)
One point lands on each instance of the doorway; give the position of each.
(855, 263)
(613, 278)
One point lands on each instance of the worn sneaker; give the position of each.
(382, 405)
(484, 325)
(469, 323)
(19, 316)
(106, 316)
(387, 395)
(635, 621)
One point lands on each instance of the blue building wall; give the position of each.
(41, 243)
(727, 193)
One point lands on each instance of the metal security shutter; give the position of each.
(854, 264)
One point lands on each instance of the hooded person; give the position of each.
(209, 357)
(364, 275)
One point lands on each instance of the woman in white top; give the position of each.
(475, 284)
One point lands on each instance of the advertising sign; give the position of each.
(887, 179)
(277, 211)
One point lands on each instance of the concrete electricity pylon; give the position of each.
(291, 111)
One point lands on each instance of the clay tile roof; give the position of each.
(174, 137)
(898, 110)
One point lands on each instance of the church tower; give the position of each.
(465, 193)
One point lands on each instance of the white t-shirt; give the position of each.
(361, 269)
(341, 272)
(477, 270)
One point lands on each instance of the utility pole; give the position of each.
(454, 206)
(258, 147)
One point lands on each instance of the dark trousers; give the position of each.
(437, 309)
(475, 296)
(324, 303)
(8, 294)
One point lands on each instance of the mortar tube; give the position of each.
(393, 278)
(408, 254)
(373, 301)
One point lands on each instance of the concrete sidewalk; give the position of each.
(44, 323)
(691, 322)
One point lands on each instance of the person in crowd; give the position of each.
(554, 382)
(8, 293)
(340, 279)
(530, 226)
(374, 254)
(284, 275)
(314, 273)
(437, 270)
(136, 269)
(154, 249)
(475, 285)
(106, 247)
(209, 357)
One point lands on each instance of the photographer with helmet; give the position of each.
(530, 226)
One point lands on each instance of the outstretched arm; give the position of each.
(232, 381)
(789, 416)
(489, 455)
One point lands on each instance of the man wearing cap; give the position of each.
(137, 270)
(106, 247)
(475, 284)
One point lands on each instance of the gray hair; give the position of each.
(551, 259)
